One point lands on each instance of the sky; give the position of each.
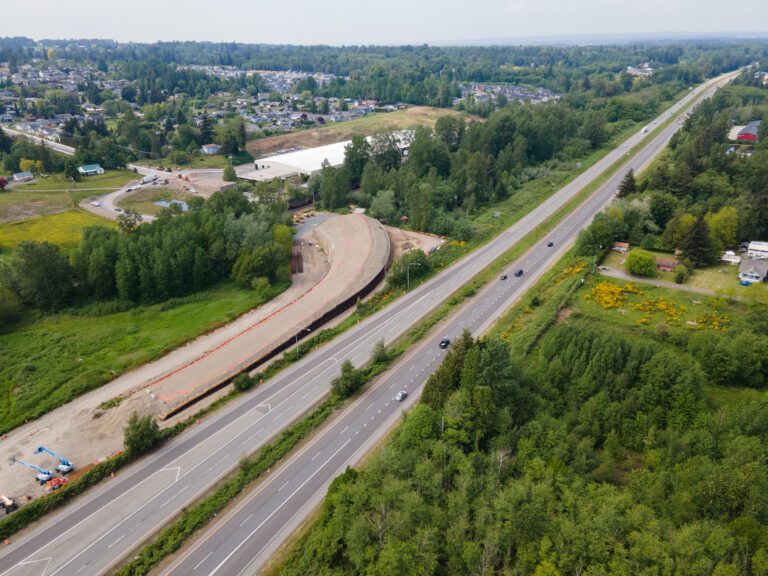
(346, 22)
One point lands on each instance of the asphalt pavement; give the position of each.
(92, 534)
(243, 540)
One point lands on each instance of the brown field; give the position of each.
(365, 126)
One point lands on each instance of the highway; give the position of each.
(243, 540)
(92, 534)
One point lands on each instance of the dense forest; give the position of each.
(596, 454)
(707, 193)
(178, 254)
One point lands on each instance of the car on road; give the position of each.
(96, 203)
(504, 276)
(118, 209)
(400, 396)
(444, 343)
(518, 272)
(550, 244)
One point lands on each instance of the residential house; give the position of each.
(90, 170)
(209, 149)
(749, 132)
(758, 250)
(730, 257)
(753, 270)
(622, 247)
(23, 177)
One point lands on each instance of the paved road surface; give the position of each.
(243, 540)
(90, 535)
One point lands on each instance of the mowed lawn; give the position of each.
(143, 200)
(47, 362)
(338, 132)
(54, 194)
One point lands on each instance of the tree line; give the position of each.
(177, 254)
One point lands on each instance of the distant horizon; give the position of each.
(397, 23)
(572, 39)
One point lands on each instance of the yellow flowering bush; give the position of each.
(610, 295)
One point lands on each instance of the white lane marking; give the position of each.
(347, 427)
(284, 485)
(246, 520)
(316, 455)
(115, 542)
(203, 560)
(369, 407)
(215, 570)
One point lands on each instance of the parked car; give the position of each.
(95, 203)
(603, 268)
(518, 272)
(745, 283)
(444, 343)
(400, 396)
(118, 209)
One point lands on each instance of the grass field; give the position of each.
(54, 194)
(198, 161)
(338, 132)
(51, 360)
(143, 200)
(63, 229)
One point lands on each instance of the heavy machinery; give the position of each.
(64, 466)
(43, 475)
(7, 504)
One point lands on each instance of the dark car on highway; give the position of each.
(504, 276)
(518, 272)
(444, 343)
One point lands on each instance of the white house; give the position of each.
(730, 257)
(23, 177)
(209, 149)
(90, 170)
(758, 250)
(753, 270)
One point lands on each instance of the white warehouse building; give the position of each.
(758, 250)
(310, 160)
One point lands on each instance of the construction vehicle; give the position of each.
(64, 466)
(43, 475)
(55, 483)
(7, 504)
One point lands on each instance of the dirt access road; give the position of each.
(352, 248)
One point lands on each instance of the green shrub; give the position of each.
(641, 263)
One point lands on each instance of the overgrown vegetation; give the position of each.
(608, 448)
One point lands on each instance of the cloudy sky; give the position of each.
(359, 22)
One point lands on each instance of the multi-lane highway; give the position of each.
(243, 540)
(92, 534)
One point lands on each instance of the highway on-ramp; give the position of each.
(93, 533)
(244, 539)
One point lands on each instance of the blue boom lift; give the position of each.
(64, 464)
(43, 475)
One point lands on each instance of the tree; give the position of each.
(129, 220)
(41, 275)
(641, 263)
(229, 174)
(71, 172)
(349, 381)
(206, 129)
(697, 244)
(383, 206)
(356, 155)
(5, 141)
(141, 435)
(628, 185)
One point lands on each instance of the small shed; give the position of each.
(621, 247)
(23, 176)
(666, 264)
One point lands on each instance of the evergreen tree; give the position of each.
(628, 185)
(697, 244)
(5, 141)
(206, 129)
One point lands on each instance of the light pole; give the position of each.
(296, 337)
(408, 274)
